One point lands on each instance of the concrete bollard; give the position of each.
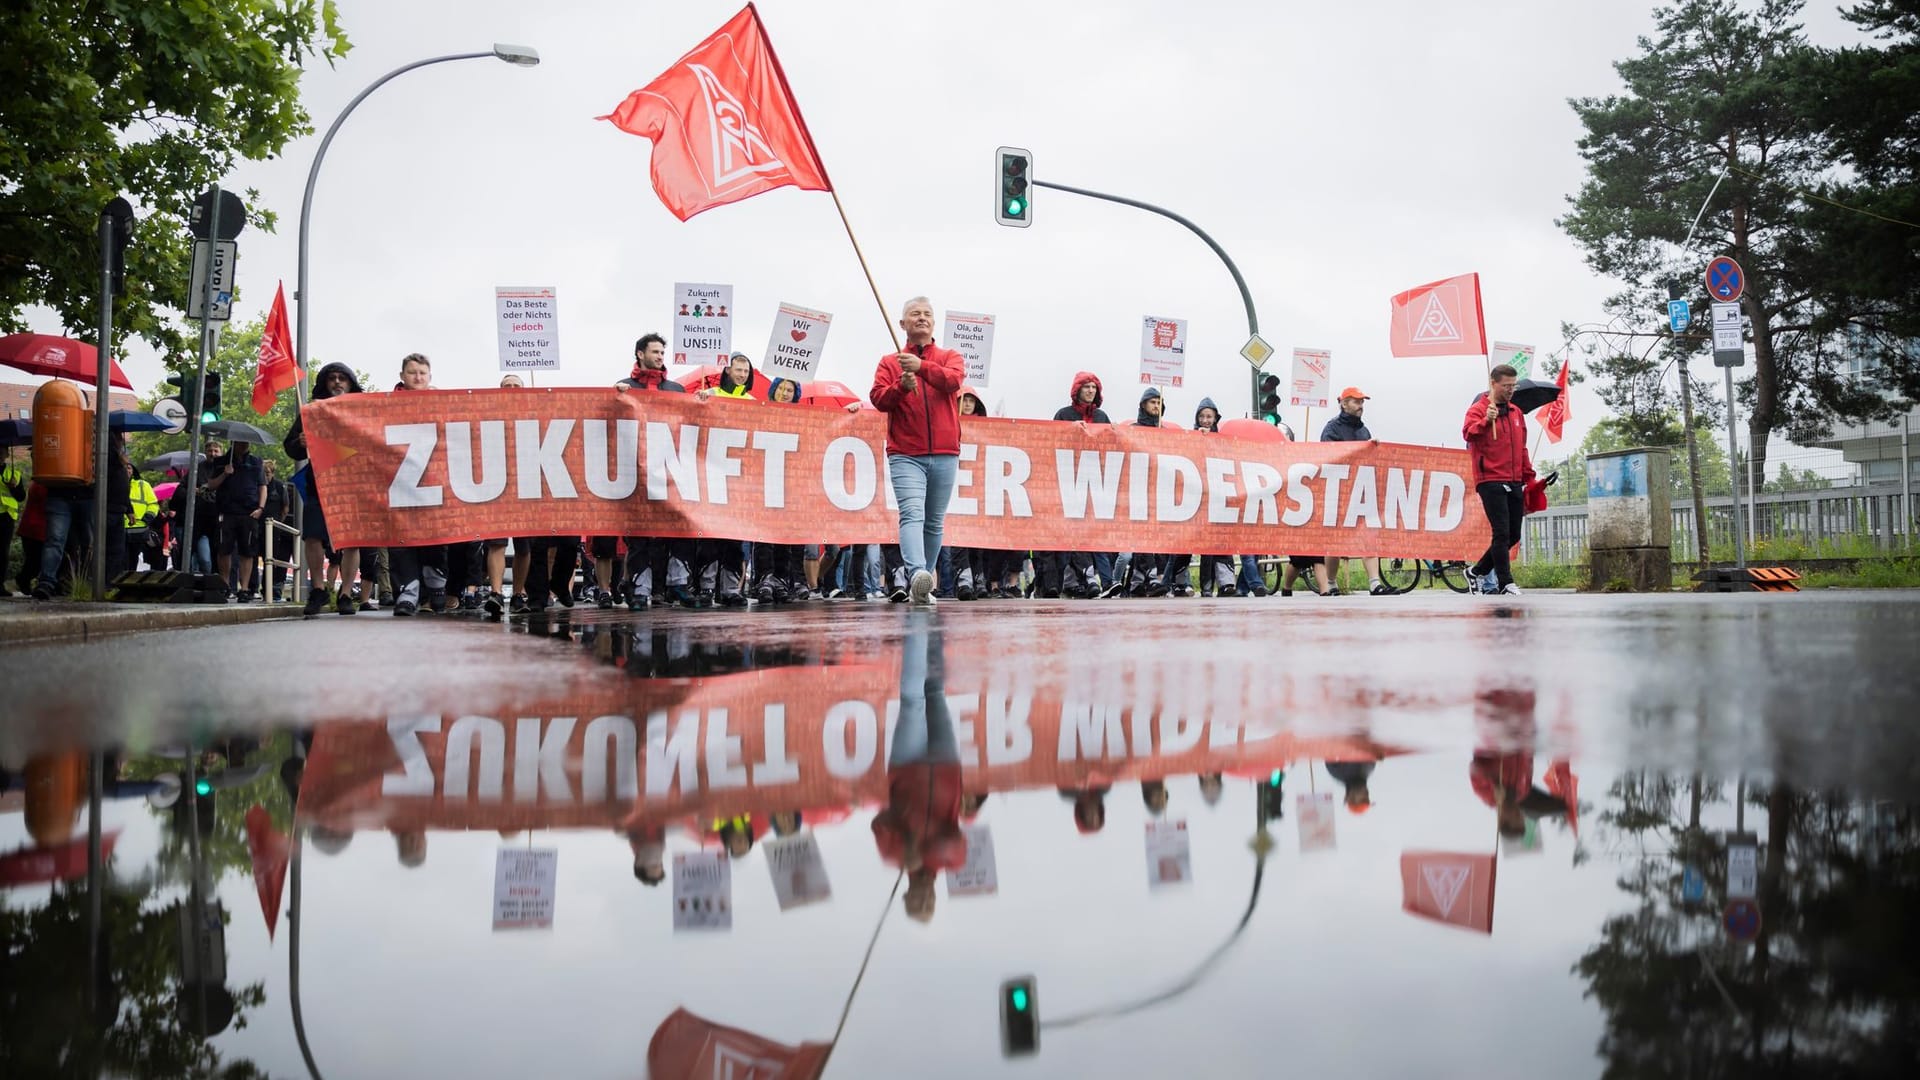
(1630, 518)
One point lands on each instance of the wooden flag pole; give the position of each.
(807, 134)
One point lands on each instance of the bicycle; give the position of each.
(1403, 575)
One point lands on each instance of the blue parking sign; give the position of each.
(1679, 316)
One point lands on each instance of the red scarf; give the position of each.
(1084, 408)
(647, 378)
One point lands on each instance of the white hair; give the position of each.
(904, 308)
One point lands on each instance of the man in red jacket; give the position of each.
(1496, 433)
(919, 389)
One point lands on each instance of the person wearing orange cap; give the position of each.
(1348, 426)
(1353, 775)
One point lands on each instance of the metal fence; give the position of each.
(1874, 513)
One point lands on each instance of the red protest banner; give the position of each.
(445, 466)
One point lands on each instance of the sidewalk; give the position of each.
(51, 622)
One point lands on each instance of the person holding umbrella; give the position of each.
(1496, 432)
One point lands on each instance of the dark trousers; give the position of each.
(782, 561)
(566, 556)
(1506, 506)
(419, 573)
(1062, 571)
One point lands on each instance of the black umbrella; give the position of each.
(124, 420)
(1530, 394)
(236, 431)
(176, 460)
(16, 432)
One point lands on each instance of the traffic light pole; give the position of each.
(200, 382)
(1253, 320)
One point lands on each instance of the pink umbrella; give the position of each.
(701, 377)
(1256, 430)
(163, 492)
(65, 358)
(828, 392)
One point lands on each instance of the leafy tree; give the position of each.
(1616, 433)
(154, 101)
(1718, 90)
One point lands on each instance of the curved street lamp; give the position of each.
(517, 55)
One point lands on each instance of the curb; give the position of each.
(86, 623)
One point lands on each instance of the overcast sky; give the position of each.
(1339, 153)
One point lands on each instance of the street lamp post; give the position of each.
(517, 55)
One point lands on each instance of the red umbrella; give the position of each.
(65, 358)
(1254, 430)
(698, 378)
(828, 392)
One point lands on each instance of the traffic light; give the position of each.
(1272, 800)
(1270, 399)
(186, 393)
(210, 398)
(1014, 204)
(1019, 1017)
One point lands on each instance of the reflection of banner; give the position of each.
(781, 739)
(1450, 887)
(268, 849)
(40, 865)
(686, 1045)
(446, 466)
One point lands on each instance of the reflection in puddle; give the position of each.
(1213, 807)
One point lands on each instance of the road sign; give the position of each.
(1729, 350)
(1743, 920)
(174, 413)
(233, 215)
(224, 255)
(1693, 885)
(1679, 316)
(1743, 872)
(1725, 281)
(1257, 351)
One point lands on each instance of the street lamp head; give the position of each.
(517, 55)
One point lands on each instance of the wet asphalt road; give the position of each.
(1821, 686)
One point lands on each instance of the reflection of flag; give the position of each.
(62, 862)
(723, 123)
(1562, 784)
(1552, 417)
(684, 1045)
(1440, 318)
(277, 370)
(1449, 887)
(269, 849)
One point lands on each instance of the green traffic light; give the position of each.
(1019, 999)
(203, 786)
(209, 417)
(1274, 780)
(1016, 207)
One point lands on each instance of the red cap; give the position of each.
(1352, 391)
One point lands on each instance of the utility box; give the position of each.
(1630, 518)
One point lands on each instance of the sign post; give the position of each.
(1679, 316)
(702, 323)
(205, 300)
(1726, 282)
(1163, 351)
(527, 322)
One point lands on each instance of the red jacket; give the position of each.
(927, 420)
(1499, 447)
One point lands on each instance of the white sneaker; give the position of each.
(1476, 583)
(922, 587)
(1510, 589)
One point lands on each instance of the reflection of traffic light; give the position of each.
(195, 809)
(1019, 1017)
(1015, 203)
(1272, 800)
(210, 398)
(1270, 399)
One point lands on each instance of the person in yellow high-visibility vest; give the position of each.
(13, 492)
(140, 520)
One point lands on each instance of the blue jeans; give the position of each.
(1103, 567)
(62, 513)
(923, 486)
(923, 733)
(1250, 575)
(202, 555)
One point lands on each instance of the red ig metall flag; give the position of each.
(277, 370)
(1553, 416)
(686, 1045)
(723, 122)
(269, 849)
(1440, 318)
(1452, 887)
